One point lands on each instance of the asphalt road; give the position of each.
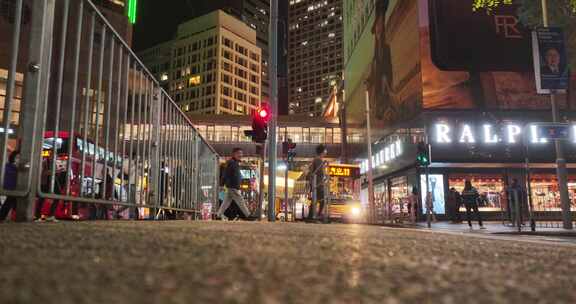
(214, 262)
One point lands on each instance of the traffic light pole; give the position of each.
(272, 143)
(369, 172)
(286, 198)
(261, 181)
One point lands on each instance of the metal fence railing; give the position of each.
(96, 134)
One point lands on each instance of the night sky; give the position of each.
(158, 20)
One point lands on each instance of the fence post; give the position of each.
(155, 163)
(34, 105)
(196, 177)
(517, 210)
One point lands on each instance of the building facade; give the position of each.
(315, 48)
(158, 60)
(256, 15)
(477, 109)
(225, 132)
(213, 66)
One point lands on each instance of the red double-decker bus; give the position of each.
(89, 185)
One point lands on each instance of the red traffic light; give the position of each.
(263, 113)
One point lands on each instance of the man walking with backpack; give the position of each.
(232, 179)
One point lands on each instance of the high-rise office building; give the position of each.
(215, 66)
(315, 53)
(253, 13)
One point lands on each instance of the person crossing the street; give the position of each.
(232, 179)
(470, 197)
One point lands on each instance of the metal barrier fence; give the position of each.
(94, 128)
(534, 209)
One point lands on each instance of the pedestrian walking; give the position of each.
(430, 206)
(129, 175)
(454, 202)
(232, 179)
(59, 182)
(317, 172)
(517, 203)
(10, 182)
(412, 204)
(470, 197)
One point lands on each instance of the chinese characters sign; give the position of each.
(343, 171)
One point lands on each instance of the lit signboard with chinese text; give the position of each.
(343, 171)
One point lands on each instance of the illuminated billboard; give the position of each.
(132, 9)
(414, 56)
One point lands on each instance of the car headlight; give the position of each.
(355, 211)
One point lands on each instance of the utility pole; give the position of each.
(369, 171)
(272, 143)
(262, 154)
(344, 129)
(560, 160)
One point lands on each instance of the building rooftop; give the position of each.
(217, 18)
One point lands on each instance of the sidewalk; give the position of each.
(497, 228)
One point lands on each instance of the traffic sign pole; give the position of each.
(560, 160)
(272, 140)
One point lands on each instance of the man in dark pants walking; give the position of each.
(516, 203)
(470, 198)
(317, 170)
(232, 180)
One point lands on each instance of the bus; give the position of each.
(342, 194)
(106, 163)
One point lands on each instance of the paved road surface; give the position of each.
(214, 262)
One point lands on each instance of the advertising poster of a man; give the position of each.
(552, 70)
(552, 62)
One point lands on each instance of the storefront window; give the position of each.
(210, 133)
(223, 134)
(337, 139)
(545, 194)
(235, 134)
(306, 135)
(242, 136)
(436, 189)
(317, 135)
(282, 134)
(490, 187)
(329, 136)
(381, 200)
(295, 134)
(398, 195)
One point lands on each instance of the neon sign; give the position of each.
(132, 10)
(490, 134)
(382, 157)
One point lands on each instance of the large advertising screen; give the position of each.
(436, 189)
(478, 60)
(416, 55)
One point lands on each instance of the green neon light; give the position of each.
(132, 8)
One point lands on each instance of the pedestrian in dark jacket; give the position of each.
(232, 180)
(454, 202)
(517, 202)
(470, 197)
(10, 182)
(317, 171)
